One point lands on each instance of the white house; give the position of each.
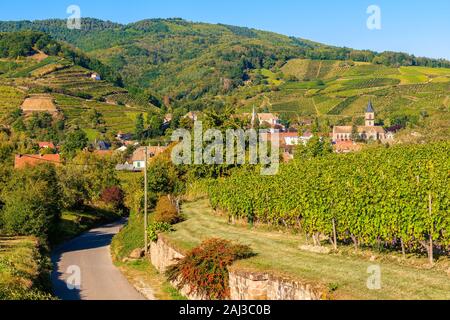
(138, 157)
(95, 76)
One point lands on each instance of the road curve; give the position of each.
(85, 263)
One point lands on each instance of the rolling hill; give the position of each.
(69, 85)
(194, 66)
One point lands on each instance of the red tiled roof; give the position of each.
(31, 160)
(139, 154)
(45, 144)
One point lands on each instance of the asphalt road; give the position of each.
(83, 269)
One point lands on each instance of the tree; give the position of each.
(113, 196)
(154, 129)
(84, 179)
(32, 202)
(139, 128)
(316, 147)
(75, 141)
(355, 134)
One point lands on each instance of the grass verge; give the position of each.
(73, 223)
(141, 273)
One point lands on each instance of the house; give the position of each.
(122, 149)
(265, 119)
(138, 158)
(39, 103)
(168, 118)
(124, 136)
(126, 167)
(95, 76)
(31, 160)
(290, 139)
(103, 145)
(367, 132)
(193, 115)
(46, 145)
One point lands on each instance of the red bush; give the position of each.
(113, 196)
(205, 268)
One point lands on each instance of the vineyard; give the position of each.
(397, 198)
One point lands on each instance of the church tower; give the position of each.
(370, 115)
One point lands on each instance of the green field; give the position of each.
(279, 252)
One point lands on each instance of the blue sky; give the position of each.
(419, 27)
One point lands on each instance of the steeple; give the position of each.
(370, 115)
(370, 107)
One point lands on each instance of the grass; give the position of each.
(140, 273)
(23, 270)
(73, 223)
(279, 252)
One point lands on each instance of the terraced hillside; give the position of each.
(72, 89)
(338, 91)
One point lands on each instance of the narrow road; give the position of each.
(83, 269)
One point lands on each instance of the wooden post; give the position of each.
(334, 235)
(430, 208)
(146, 202)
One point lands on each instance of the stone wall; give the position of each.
(163, 255)
(265, 286)
(244, 285)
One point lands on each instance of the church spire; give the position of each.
(370, 107)
(370, 115)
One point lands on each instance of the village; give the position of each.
(344, 139)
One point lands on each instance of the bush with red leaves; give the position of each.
(205, 269)
(113, 196)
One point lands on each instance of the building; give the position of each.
(138, 158)
(289, 138)
(367, 132)
(103, 145)
(192, 115)
(46, 145)
(265, 120)
(95, 76)
(124, 136)
(31, 160)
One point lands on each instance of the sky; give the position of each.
(419, 27)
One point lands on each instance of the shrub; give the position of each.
(113, 196)
(32, 203)
(166, 211)
(156, 228)
(205, 268)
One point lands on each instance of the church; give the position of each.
(367, 132)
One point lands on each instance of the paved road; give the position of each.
(85, 263)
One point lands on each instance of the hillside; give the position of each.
(96, 106)
(337, 92)
(184, 59)
(194, 66)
